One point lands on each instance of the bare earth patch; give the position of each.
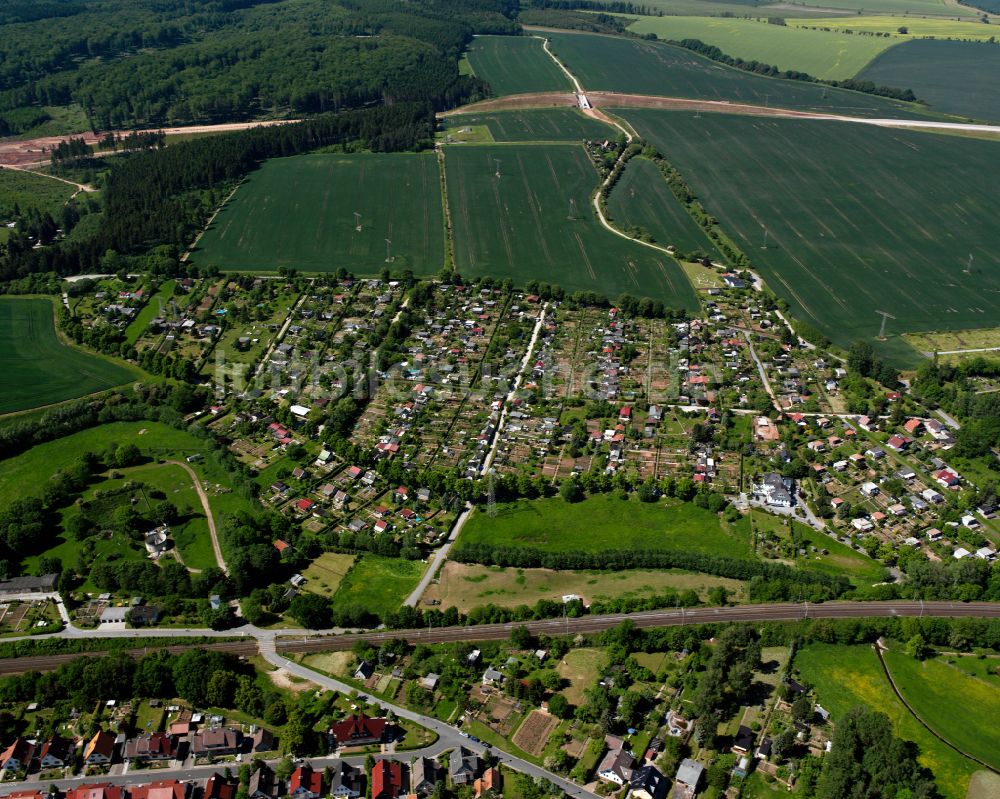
(534, 733)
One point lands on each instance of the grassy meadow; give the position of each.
(605, 521)
(915, 27)
(378, 584)
(38, 368)
(549, 125)
(326, 573)
(515, 65)
(833, 55)
(892, 229)
(520, 226)
(299, 212)
(29, 191)
(848, 676)
(642, 198)
(816, 8)
(954, 77)
(609, 63)
(466, 586)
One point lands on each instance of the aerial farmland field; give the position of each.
(954, 77)
(299, 212)
(551, 124)
(535, 222)
(899, 214)
(817, 8)
(823, 54)
(642, 198)
(38, 368)
(609, 63)
(515, 64)
(915, 27)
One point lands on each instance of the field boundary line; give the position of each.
(560, 64)
(210, 518)
(885, 668)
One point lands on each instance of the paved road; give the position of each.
(439, 556)
(208, 514)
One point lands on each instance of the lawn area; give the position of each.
(38, 368)
(954, 77)
(823, 54)
(466, 586)
(379, 584)
(31, 192)
(611, 63)
(642, 198)
(153, 308)
(299, 212)
(887, 229)
(515, 64)
(962, 709)
(548, 124)
(848, 676)
(582, 668)
(605, 521)
(326, 573)
(536, 220)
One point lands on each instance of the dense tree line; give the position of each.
(951, 387)
(771, 71)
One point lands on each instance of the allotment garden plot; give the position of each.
(299, 212)
(609, 63)
(535, 222)
(515, 65)
(38, 369)
(891, 229)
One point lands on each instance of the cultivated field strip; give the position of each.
(514, 65)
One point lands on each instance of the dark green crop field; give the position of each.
(299, 212)
(37, 368)
(536, 222)
(859, 218)
(515, 64)
(610, 63)
(954, 77)
(556, 124)
(642, 198)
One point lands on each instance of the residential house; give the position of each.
(263, 784)
(359, 730)
(99, 749)
(345, 781)
(775, 490)
(56, 752)
(364, 671)
(387, 780)
(617, 766)
(99, 791)
(305, 783)
(492, 677)
(743, 743)
(463, 766)
(261, 740)
(17, 756)
(491, 781)
(218, 787)
(157, 747)
(161, 789)
(648, 783)
(688, 778)
(423, 776)
(219, 741)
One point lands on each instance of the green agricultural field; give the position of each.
(466, 585)
(604, 522)
(29, 191)
(961, 709)
(515, 65)
(519, 225)
(898, 214)
(378, 584)
(916, 28)
(848, 676)
(38, 368)
(642, 198)
(823, 54)
(940, 8)
(954, 77)
(616, 64)
(299, 212)
(555, 125)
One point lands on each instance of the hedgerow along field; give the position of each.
(515, 65)
(536, 221)
(642, 198)
(954, 77)
(299, 212)
(859, 219)
(611, 63)
(38, 368)
(823, 54)
(552, 124)
(911, 27)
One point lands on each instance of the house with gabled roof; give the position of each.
(387, 779)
